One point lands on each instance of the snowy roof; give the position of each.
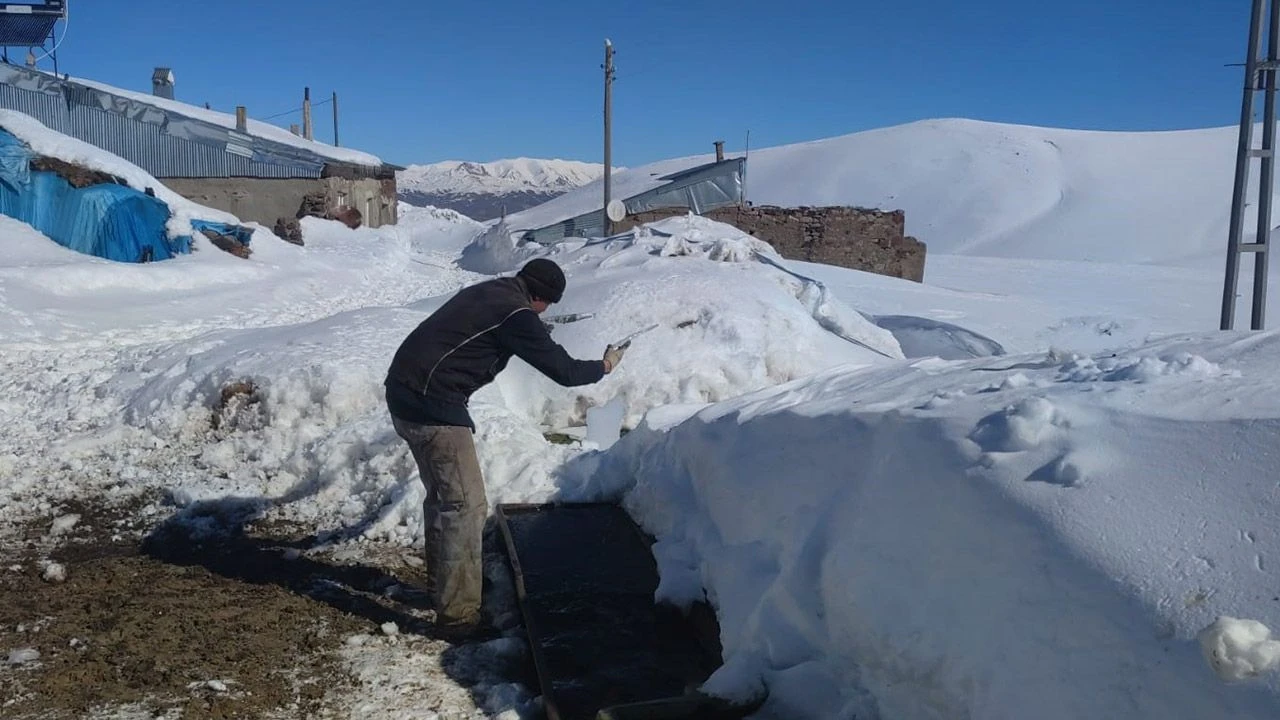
(170, 138)
(256, 128)
(625, 185)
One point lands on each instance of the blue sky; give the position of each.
(420, 81)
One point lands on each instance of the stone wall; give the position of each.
(267, 200)
(858, 238)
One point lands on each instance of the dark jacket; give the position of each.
(462, 346)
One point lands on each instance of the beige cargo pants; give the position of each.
(453, 516)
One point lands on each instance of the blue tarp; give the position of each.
(239, 232)
(115, 222)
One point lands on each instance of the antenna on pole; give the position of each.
(1259, 76)
(608, 129)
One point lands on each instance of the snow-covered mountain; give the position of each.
(995, 190)
(482, 190)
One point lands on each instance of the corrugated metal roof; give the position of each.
(162, 143)
(700, 188)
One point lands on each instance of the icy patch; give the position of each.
(922, 337)
(1239, 649)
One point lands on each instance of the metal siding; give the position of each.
(47, 109)
(147, 144)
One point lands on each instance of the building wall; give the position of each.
(265, 200)
(857, 238)
(258, 199)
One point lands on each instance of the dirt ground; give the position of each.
(203, 617)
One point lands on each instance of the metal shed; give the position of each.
(699, 189)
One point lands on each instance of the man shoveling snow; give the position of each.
(458, 349)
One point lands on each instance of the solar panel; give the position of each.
(29, 24)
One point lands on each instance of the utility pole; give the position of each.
(335, 118)
(608, 128)
(306, 113)
(1259, 76)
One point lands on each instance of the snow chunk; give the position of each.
(1141, 368)
(604, 423)
(53, 572)
(1239, 649)
(64, 523)
(1020, 427)
(219, 686)
(21, 656)
(390, 629)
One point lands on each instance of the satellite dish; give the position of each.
(616, 210)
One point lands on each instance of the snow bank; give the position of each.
(952, 539)
(314, 437)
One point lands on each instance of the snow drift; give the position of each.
(1008, 537)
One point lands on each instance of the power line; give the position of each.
(297, 109)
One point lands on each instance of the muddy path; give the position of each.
(209, 616)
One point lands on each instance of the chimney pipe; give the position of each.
(162, 83)
(719, 151)
(242, 120)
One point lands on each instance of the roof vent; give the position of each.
(162, 83)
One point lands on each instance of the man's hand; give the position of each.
(612, 356)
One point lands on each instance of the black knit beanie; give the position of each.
(544, 278)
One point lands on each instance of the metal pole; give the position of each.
(335, 118)
(608, 131)
(1261, 255)
(1242, 170)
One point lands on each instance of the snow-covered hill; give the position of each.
(481, 190)
(988, 189)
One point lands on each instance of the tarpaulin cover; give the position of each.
(241, 233)
(115, 222)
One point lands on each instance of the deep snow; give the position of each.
(1083, 526)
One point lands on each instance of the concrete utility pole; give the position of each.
(306, 113)
(608, 129)
(1259, 76)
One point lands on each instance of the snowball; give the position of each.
(1239, 649)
